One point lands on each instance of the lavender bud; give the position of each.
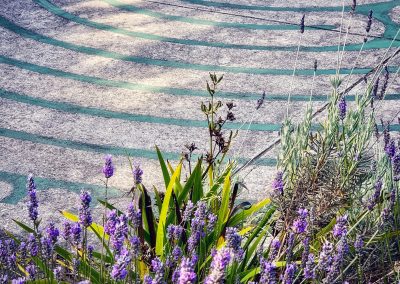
(300, 224)
(369, 23)
(108, 168)
(233, 242)
(52, 233)
(138, 174)
(134, 216)
(385, 84)
(309, 268)
(396, 167)
(278, 184)
(302, 24)
(290, 271)
(33, 203)
(119, 270)
(268, 272)
(342, 108)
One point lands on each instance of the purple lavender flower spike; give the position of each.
(119, 270)
(197, 226)
(47, 247)
(267, 272)
(290, 271)
(218, 266)
(187, 274)
(233, 242)
(340, 228)
(138, 174)
(358, 244)
(85, 217)
(31, 270)
(20, 280)
(66, 232)
(76, 233)
(338, 259)
(375, 197)
(277, 184)
(52, 233)
(342, 108)
(212, 220)
(120, 233)
(159, 271)
(325, 257)
(309, 269)
(111, 222)
(306, 252)
(275, 246)
(300, 224)
(187, 213)
(390, 149)
(57, 273)
(32, 245)
(135, 246)
(108, 168)
(290, 245)
(174, 232)
(33, 203)
(134, 216)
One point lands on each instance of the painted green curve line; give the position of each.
(153, 89)
(143, 11)
(18, 183)
(105, 149)
(381, 13)
(166, 63)
(64, 14)
(103, 113)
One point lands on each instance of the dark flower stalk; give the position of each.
(385, 84)
(396, 167)
(369, 23)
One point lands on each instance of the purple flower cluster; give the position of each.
(108, 168)
(33, 202)
(111, 222)
(138, 174)
(187, 213)
(174, 233)
(197, 226)
(186, 273)
(76, 233)
(290, 272)
(375, 197)
(274, 250)
(120, 233)
(119, 270)
(268, 272)
(390, 149)
(342, 106)
(309, 268)
(220, 262)
(338, 259)
(277, 184)
(300, 224)
(233, 242)
(158, 268)
(85, 218)
(340, 228)
(325, 257)
(52, 233)
(134, 216)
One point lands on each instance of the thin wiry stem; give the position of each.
(292, 80)
(340, 38)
